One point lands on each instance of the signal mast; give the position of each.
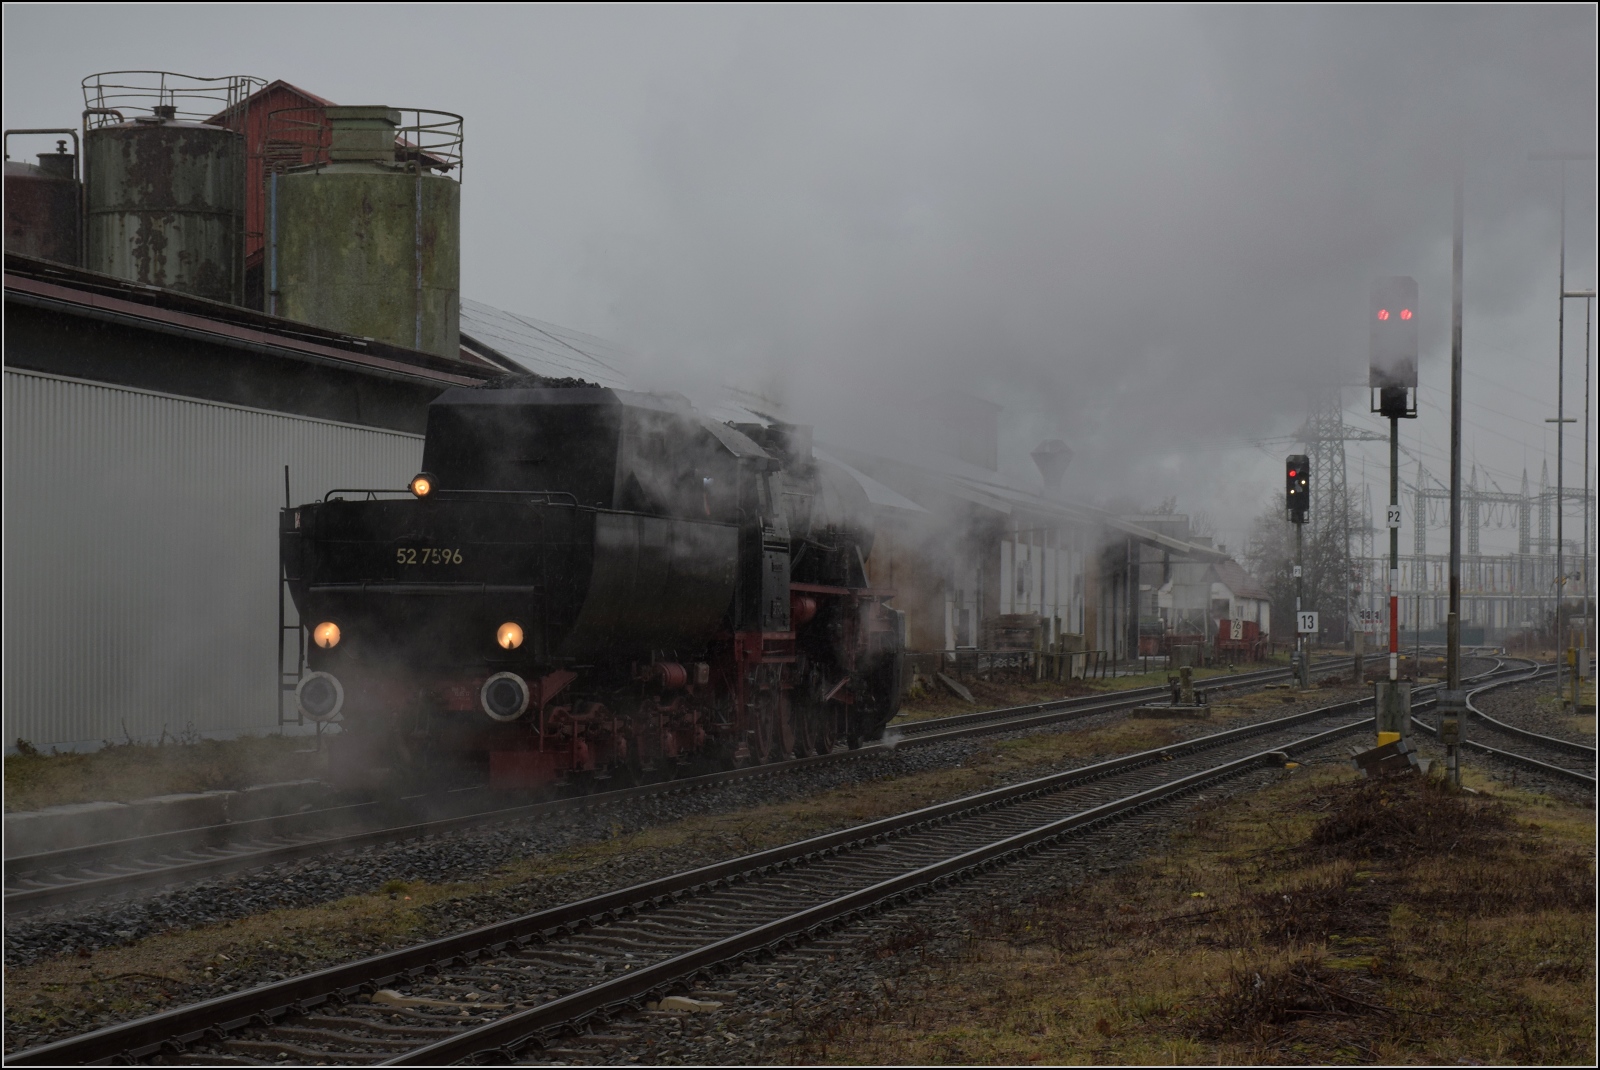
(1392, 388)
(1297, 499)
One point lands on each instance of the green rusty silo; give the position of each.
(364, 223)
(164, 179)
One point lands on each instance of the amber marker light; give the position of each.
(422, 485)
(326, 635)
(509, 635)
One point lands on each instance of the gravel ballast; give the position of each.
(476, 854)
(1532, 707)
(770, 1004)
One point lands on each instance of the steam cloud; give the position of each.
(1147, 232)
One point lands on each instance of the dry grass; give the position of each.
(1325, 920)
(123, 772)
(1581, 724)
(1576, 721)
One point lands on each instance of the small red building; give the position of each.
(254, 113)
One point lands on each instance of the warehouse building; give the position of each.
(150, 439)
(148, 448)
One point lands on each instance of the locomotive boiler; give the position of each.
(586, 583)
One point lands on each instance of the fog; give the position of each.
(1146, 232)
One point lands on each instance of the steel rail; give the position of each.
(1532, 763)
(1554, 743)
(264, 1004)
(503, 1037)
(1512, 757)
(93, 857)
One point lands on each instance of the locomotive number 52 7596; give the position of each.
(426, 555)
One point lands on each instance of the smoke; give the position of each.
(1145, 232)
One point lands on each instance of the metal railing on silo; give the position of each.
(302, 137)
(185, 97)
(194, 111)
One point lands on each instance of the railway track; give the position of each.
(53, 879)
(493, 992)
(1560, 758)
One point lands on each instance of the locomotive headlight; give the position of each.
(422, 485)
(509, 635)
(326, 635)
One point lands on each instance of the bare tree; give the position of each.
(1270, 555)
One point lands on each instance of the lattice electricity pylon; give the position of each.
(1524, 519)
(1547, 541)
(1367, 580)
(1419, 525)
(1473, 521)
(1325, 434)
(1368, 528)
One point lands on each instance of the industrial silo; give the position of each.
(44, 206)
(164, 180)
(364, 223)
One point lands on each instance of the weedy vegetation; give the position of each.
(1325, 920)
(121, 772)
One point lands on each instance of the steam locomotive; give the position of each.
(585, 584)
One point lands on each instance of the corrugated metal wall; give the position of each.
(141, 554)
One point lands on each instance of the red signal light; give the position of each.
(1292, 473)
(1383, 313)
(1405, 313)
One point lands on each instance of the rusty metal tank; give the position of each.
(364, 223)
(163, 183)
(44, 202)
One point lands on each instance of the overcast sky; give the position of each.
(1146, 231)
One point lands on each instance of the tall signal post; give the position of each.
(1297, 500)
(1452, 702)
(1392, 386)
